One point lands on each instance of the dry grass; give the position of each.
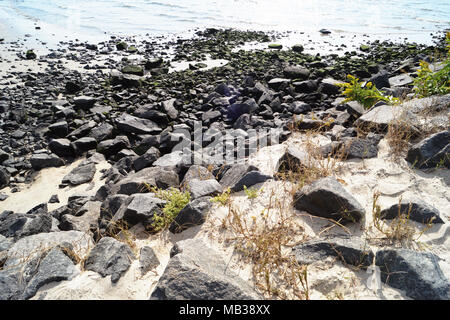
(265, 241)
(77, 252)
(123, 234)
(400, 230)
(398, 136)
(316, 165)
(118, 230)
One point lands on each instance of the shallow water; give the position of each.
(87, 19)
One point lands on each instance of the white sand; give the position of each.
(327, 279)
(46, 184)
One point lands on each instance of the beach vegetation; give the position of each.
(222, 198)
(175, 199)
(428, 83)
(401, 228)
(251, 193)
(365, 93)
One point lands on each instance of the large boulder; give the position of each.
(54, 267)
(169, 108)
(417, 273)
(5, 243)
(147, 159)
(42, 160)
(351, 251)
(84, 144)
(113, 146)
(109, 208)
(18, 225)
(83, 173)
(240, 175)
(139, 208)
(431, 151)
(138, 182)
(82, 131)
(380, 117)
(201, 188)
(417, 210)
(176, 160)
(41, 223)
(102, 132)
(61, 147)
(131, 124)
(85, 218)
(360, 148)
(33, 246)
(148, 111)
(196, 172)
(84, 102)
(198, 272)
(59, 129)
(380, 80)
(235, 110)
(11, 284)
(193, 214)
(4, 177)
(294, 159)
(296, 72)
(147, 259)
(327, 198)
(110, 257)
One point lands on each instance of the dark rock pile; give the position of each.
(141, 119)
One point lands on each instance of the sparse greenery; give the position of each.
(175, 199)
(366, 94)
(430, 83)
(222, 198)
(251, 193)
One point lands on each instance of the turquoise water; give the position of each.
(83, 18)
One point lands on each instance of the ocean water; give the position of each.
(93, 19)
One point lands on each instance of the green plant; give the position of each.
(430, 83)
(222, 198)
(366, 94)
(175, 202)
(251, 193)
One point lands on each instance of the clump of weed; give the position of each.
(428, 83)
(366, 94)
(315, 164)
(222, 198)
(399, 134)
(265, 241)
(400, 229)
(252, 193)
(176, 200)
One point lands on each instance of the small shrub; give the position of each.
(222, 198)
(176, 201)
(367, 95)
(251, 193)
(430, 83)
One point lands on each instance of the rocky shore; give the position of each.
(195, 169)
